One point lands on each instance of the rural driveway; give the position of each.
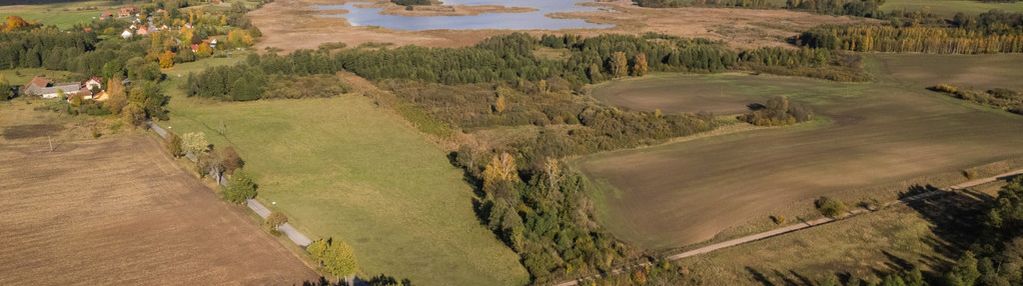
(286, 228)
(804, 225)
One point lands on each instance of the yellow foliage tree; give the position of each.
(204, 50)
(640, 67)
(239, 38)
(500, 169)
(14, 23)
(167, 59)
(619, 64)
(117, 96)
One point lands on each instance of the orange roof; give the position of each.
(39, 81)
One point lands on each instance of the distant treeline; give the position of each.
(861, 8)
(704, 3)
(990, 32)
(510, 59)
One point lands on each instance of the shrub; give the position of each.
(173, 144)
(778, 219)
(231, 160)
(275, 220)
(830, 207)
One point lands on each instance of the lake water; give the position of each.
(536, 20)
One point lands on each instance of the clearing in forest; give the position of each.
(345, 168)
(868, 135)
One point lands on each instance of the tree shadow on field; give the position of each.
(953, 217)
(759, 276)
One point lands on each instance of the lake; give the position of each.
(536, 20)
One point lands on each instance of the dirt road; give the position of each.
(808, 224)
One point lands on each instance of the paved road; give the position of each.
(804, 225)
(286, 228)
(263, 212)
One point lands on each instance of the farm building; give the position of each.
(45, 88)
(127, 11)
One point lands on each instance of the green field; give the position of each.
(63, 15)
(949, 7)
(22, 76)
(869, 135)
(345, 168)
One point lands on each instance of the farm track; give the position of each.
(117, 211)
(804, 225)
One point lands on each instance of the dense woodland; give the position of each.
(990, 32)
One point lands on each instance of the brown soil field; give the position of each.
(871, 135)
(118, 211)
(295, 24)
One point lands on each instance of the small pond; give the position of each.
(536, 20)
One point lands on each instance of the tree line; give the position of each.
(990, 32)
(1001, 98)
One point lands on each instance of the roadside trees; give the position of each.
(335, 256)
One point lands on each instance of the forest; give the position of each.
(990, 32)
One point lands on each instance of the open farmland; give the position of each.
(345, 168)
(118, 211)
(869, 135)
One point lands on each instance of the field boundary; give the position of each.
(293, 234)
(802, 225)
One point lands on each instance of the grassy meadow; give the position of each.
(61, 14)
(345, 168)
(21, 76)
(867, 135)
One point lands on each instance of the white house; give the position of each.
(126, 34)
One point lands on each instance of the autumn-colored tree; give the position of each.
(640, 66)
(173, 143)
(501, 169)
(14, 23)
(275, 220)
(619, 64)
(231, 160)
(239, 38)
(133, 114)
(335, 256)
(204, 50)
(194, 143)
(167, 59)
(117, 96)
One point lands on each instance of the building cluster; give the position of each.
(91, 88)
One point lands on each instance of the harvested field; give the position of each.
(287, 24)
(871, 135)
(117, 211)
(972, 71)
(717, 93)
